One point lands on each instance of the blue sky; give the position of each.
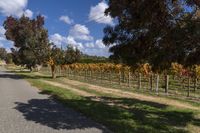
(76, 22)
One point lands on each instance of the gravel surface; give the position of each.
(24, 110)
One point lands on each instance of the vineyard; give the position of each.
(180, 81)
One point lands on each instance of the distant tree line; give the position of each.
(93, 59)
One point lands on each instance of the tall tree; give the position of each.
(9, 59)
(59, 57)
(72, 55)
(56, 57)
(154, 31)
(3, 53)
(30, 40)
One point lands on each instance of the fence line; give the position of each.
(157, 84)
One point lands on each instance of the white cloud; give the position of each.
(100, 44)
(60, 40)
(96, 48)
(13, 7)
(28, 13)
(57, 39)
(66, 19)
(2, 30)
(3, 41)
(97, 14)
(91, 47)
(70, 40)
(80, 32)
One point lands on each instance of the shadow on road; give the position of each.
(10, 76)
(16, 77)
(52, 114)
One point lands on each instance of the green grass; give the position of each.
(83, 88)
(139, 117)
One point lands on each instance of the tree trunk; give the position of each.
(31, 69)
(53, 71)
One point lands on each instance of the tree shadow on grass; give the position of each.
(133, 115)
(153, 117)
(50, 113)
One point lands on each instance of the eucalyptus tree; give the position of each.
(30, 37)
(154, 31)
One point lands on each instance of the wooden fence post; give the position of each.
(188, 94)
(139, 81)
(195, 84)
(90, 74)
(183, 83)
(129, 76)
(60, 72)
(64, 72)
(110, 78)
(74, 73)
(120, 78)
(166, 84)
(157, 83)
(57, 71)
(85, 73)
(101, 76)
(151, 82)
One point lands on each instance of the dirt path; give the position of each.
(69, 83)
(80, 92)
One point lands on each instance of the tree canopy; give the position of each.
(3, 53)
(30, 40)
(155, 31)
(68, 56)
(61, 57)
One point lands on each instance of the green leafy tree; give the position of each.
(56, 57)
(31, 44)
(3, 53)
(154, 31)
(71, 55)
(59, 57)
(9, 59)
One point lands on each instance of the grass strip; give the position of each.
(141, 116)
